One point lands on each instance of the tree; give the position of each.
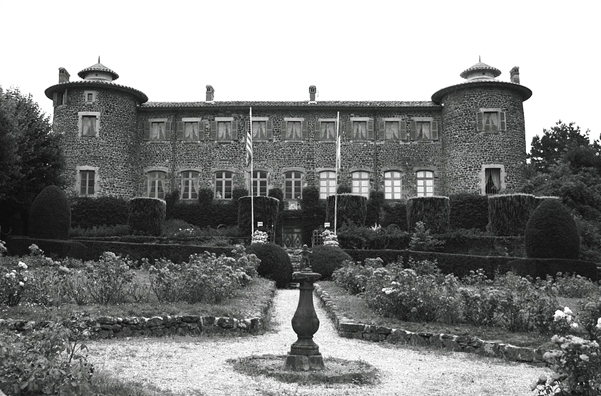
(30, 157)
(556, 143)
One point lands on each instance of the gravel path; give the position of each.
(198, 365)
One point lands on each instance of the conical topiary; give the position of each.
(551, 232)
(50, 215)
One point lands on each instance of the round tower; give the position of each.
(484, 139)
(98, 120)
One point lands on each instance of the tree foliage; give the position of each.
(30, 155)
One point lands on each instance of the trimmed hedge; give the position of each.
(266, 210)
(50, 215)
(146, 216)
(313, 213)
(55, 248)
(468, 211)
(432, 211)
(395, 213)
(508, 214)
(551, 232)
(275, 262)
(89, 212)
(457, 264)
(540, 268)
(352, 209)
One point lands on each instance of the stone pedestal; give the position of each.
(304, 354)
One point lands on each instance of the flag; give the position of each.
(249, 140)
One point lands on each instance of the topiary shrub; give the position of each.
(205, 197)
(394, 213)
(551, 232)
(468, 211)
(312, 213)
(327, 259)
(94, 212)
(432, 211)
(146, 216)
(275, 262)
(50, 215)
(509, 213)
(352, 208)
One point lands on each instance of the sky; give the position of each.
(274, 50)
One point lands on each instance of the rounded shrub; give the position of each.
(50, 215)
(327, 259)
(146, 216)
(551, 232)
(275, 262)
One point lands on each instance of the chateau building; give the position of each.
(469, 138)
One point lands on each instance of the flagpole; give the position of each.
(250, 153)
(337, 167)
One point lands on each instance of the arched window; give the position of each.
(360, 183)
(223, 184)
(327, 184)
(293, 183)
(155, 184)
(393, 185)
(189, 185)
(260, 183)
(425, 183)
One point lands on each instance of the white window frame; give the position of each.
(399, 121)
(220, 194)
(501, 117)
(291, 182)
(422, 188)
(192, 121)
(321, 121)
(430, 120)
(157, 120)
(193, 184)
(483, 181)
(224, 119)
(297, 119)
(352, 131)
(260, 182)
(266, 121)
(360, 183)
(78, 184)
(150, 183)
(393, 185)
(328, 185)
(80, 125)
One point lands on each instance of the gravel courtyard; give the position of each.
(198, 365)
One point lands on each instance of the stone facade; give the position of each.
(469, 138)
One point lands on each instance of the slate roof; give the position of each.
(525, 92)
(303, 104)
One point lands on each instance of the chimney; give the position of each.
(210, 94)
(63, 75)
(515, 75)
(312, 92)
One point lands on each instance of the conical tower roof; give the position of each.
(480, 71)
(98, 72)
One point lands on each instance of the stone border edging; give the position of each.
(348, 329)
(115, 327)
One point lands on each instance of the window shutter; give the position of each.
(270, 129)
(180, 130)
(203, 129)
(479, 121)
(403, 129)
(370, 129)
(317, 130)
(234, 129)
(168, 129)
(434, 127)
(349, 128)
(55, 99)
(213, 130)
(97, 131)
(381, 130)
(412, 129)
(503, 121)
(147, 130)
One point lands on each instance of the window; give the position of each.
(87, 182)
(491, 120)
(155, 184)
(360, 183)
(425, 183)
(59, 98)
(224, 130)
(327, 184)
(424, 129)
(393, 183)
(89, 96)
(223, 185)
(361, 128)
(327, 130)
(394, 129)
(260, 183)
(189, 130)
(89, 124)
(189, 185)
(492, 179)
(293, 182)
(157, 130)
(294, 128)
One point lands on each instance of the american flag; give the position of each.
(249, 140)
